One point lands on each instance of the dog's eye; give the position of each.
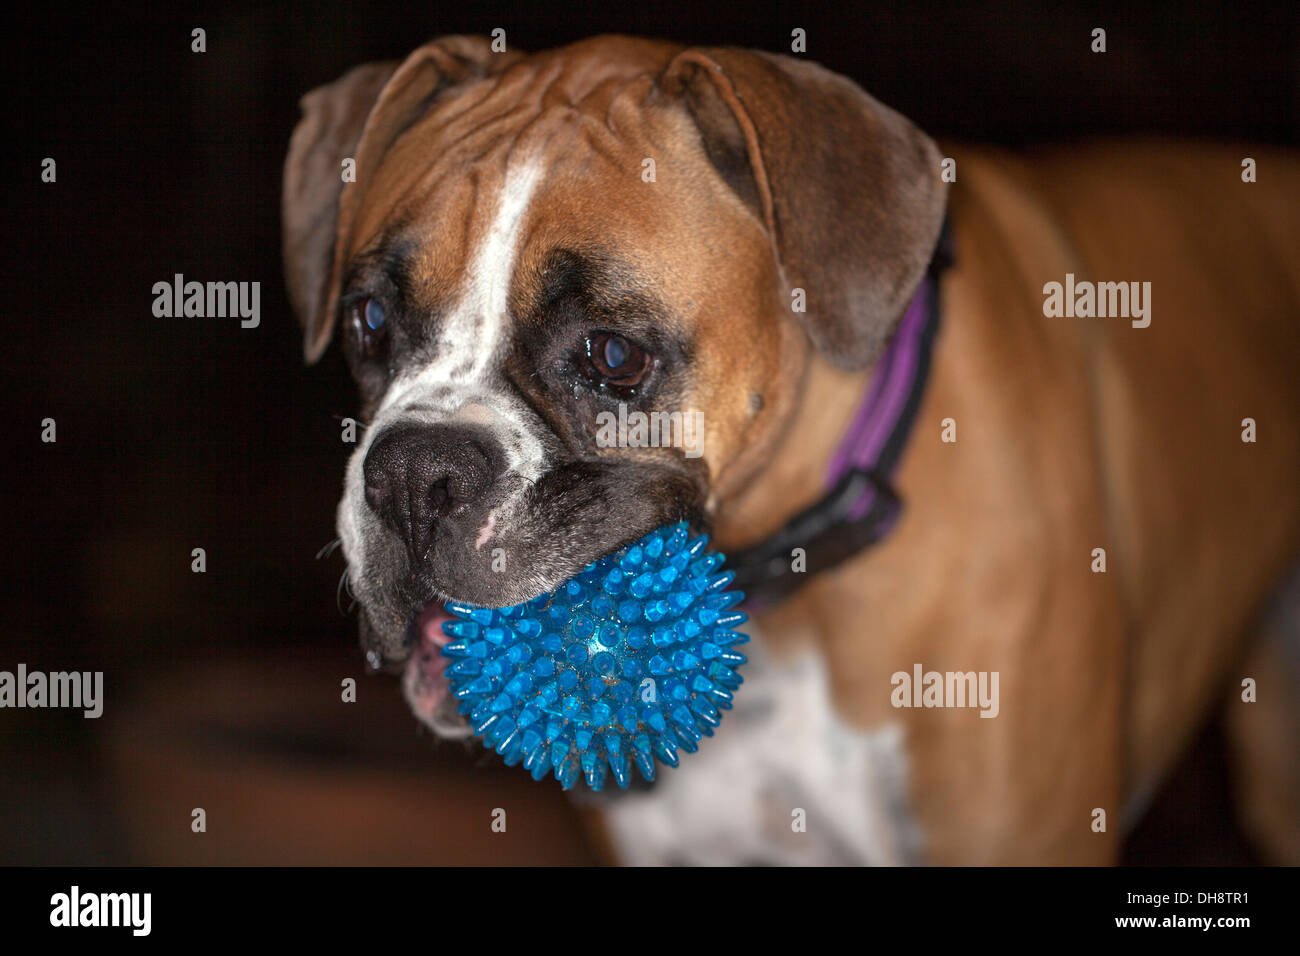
(370, 325)
(616, 360)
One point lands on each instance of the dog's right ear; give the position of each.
(357, 117)
(332, 119)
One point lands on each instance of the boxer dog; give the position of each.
(1097, 509)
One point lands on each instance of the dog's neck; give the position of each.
(829, 519)
(795, 477)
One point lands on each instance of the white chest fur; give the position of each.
(780, 758)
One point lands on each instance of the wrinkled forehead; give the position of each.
(509, 181)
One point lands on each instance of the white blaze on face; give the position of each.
(473, 331)
(455, 384)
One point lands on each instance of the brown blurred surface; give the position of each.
(287, 773)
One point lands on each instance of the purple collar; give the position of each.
(860, 507)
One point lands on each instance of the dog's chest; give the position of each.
(783, 781)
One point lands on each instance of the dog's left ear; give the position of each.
(358, 117)
(849, 190)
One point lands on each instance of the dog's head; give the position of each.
(512, 247)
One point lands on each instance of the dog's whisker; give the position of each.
(344, 587)
(329, 548)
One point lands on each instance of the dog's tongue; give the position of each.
(428, 626)
(425, 683)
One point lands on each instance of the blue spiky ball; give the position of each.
(629, 660)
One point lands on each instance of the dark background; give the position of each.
(222, 688)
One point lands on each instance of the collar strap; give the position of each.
(860, 506)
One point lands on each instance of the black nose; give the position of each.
(417, 475)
